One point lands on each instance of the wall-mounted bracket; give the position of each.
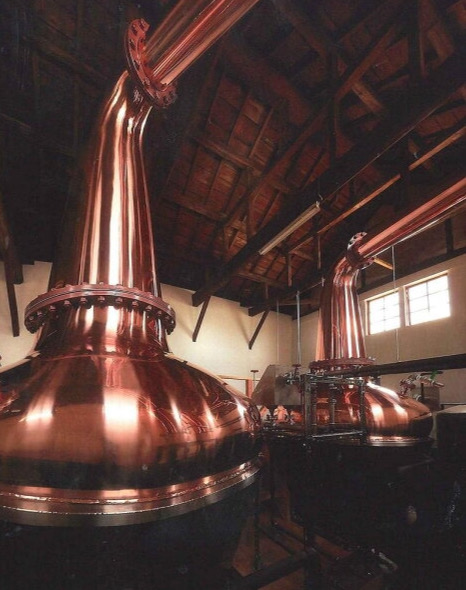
(258, 329)
(200, 319)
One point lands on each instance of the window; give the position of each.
(384, 313)
(424, 301)
(428, 300)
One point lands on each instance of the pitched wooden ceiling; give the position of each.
(357, 105)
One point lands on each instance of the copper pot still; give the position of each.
(392, 420)
(100, 425)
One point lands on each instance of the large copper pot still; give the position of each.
(391, 419)
(100, 425)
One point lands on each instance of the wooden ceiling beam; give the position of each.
(258, 278)
(264, 80)
(416, 58)
(439, 35)
(200, 319)
(315, 280)
(354, 73)
(78, 66)
(313, 32)
(8, 247)
(192, 203)
(242, 162)
(188, 128)
(270, 173)
(433, 92)
(283, 296)
(258, 328)
(447, 138)
(13, 268)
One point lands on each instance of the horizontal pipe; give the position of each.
(439, 363)
(189, 30)
(430, 213)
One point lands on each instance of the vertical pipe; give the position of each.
(340, 332)
(298, 327)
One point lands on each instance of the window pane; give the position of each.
(419, 317)
(436, 285)
(437, 300)
(392, 324)
(376, 328)
(439, 313)
(417, 291)
(384, 313)
(429, 300)
(417, 304)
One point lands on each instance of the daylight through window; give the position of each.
(384, 313)
(428, 300)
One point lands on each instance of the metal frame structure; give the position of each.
(309, 383)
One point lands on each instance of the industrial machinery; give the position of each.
(100, 426)
(119, 461)
(351, 460)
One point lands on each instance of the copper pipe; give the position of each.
(430, 213)
(392, 420)
(340, 333)
(192, 28)
(99, 425)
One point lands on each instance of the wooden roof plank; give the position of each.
(433, 92)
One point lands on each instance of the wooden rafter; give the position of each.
(456, 180)
(200, 319)
(13, 268)
(434, 91)
(446, 139)
(258, 328)
(354, 73)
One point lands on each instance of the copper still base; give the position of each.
(112, 440)
(181, 553)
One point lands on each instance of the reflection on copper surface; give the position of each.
(100, 424)
(192, 27)
(391, 418)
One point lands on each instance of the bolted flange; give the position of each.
(161, 96)
(50, 304)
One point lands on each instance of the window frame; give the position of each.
(383, 295)
(408, 303)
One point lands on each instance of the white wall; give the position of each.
(36, 278)
(308, 338)
(442, 337)
(222, 343)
